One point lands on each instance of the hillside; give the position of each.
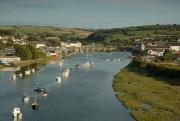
(39, 30)
(126, 35)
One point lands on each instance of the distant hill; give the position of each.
(122, 36)
(53, 31)
(127, 34)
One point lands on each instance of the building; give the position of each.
(175, 47)
(66, 45)
(156, 50)
(139, 46)
(9, 59)
(39, 44)
(76, 45)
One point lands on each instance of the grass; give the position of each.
(149, 98)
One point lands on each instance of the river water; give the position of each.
(87, 94)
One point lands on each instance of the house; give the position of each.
(156, 50)
(39, 44)
(175, 47)
(66, 45)
(76, 45)
(52, 54)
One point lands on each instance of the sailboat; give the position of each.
(66, 71)
(25, 98)
(34, 104)
(33, 70)
(58, 78)
(13, 77)
(88, 63)
(38, 67)
(27, 72)
(17, 113)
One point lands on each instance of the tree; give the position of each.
(26, 54)
(23, 52)
(2, 46)
(168, 55)
(34, 51)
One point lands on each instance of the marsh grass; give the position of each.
(149, 98)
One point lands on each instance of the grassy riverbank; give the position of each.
(150, 98)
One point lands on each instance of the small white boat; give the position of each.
(115, 60)
(61, 63)
(17, 113)
(118, 59)
(58, 79)
(66, 73)
(13, 77)
(85, 65)
(33, 70)
(107, 60)
(25, 99)
(19, 74)
(27, 72)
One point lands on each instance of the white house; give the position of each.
(40, 45)
(78, 44)
(175, 47)
(66, 45)
(155, 52)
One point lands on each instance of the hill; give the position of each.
(127, 35)
(40, 30)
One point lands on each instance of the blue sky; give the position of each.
(90, 13)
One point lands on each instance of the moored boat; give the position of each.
(17, 113)
(58, 79)
(13, 77)
(25, 99)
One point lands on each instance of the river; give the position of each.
(87, 95)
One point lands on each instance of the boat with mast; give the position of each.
(66, 71)
(89, 63)
(58, 78)
(17, 115)
(34, 104)
(27, 72)
(25, 97)
(13, 77)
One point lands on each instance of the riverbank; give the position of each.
(150, 97)
(30, 62)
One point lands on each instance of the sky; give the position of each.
(89, 13)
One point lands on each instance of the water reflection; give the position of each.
(29, 70)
